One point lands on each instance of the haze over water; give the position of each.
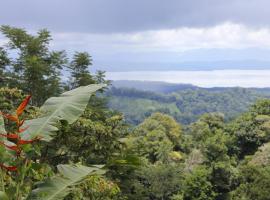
(215, 78)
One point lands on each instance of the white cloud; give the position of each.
(227, 35)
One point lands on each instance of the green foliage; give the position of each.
(4, 62)
(262, 156)
(9, 98)
(224, 178)
(206, 126)
(79, 70)
(185, 105)
(93, 138)
(18, 155)
(95, 187)
(60, 185)
(136, 110)
(157, 137)
(194, 159)
(69, 106)
(35, 69)
(3, 196)
(197, 185)
(251, 129)
(158, 181)
(215, 147)
(254, 184)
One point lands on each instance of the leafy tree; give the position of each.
(96, 188)
(252, 128)
(9, 98)
(224, 178)
(206, 126)
(79, 70)
(254, 184)
(100, 77)
(197, 185)
(157, 138)
(216, 147)
(93, 138)
(261, 157)
(35, 69)
(4, 62)
(156, 182)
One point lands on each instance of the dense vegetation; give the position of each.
(184, 103)
(60, 148)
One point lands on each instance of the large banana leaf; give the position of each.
(59, 186)
(68, 106)
(2, 139)
(6, 155)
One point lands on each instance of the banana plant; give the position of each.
(15, 159)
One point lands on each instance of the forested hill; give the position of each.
(138, 100)
(154, 86)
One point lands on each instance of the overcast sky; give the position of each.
(151, 34)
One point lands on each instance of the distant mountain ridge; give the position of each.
(164, 87)
(186, 103)
(152, 86)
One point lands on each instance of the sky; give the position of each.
(131, 35)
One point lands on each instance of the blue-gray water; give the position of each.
(215, 78)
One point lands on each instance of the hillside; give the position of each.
(138, 100)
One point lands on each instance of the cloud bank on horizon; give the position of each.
(152, 33)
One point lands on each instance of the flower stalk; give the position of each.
(14, 142)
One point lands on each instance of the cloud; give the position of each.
(111, 16)
(224, 36)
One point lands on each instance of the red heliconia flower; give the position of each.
(11, 147)
(27, 141)
(10, 117)
(10, 135)
(16, 136)
(23, 129)
(19, 111)
(9, 168)
(23, 105)
(20, 123)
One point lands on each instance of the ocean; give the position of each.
(212, 78)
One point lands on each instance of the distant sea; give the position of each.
(214, 78)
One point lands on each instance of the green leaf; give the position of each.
(59, 186)
(69, 106)
(2, 125)
(6, 155)
(3, 196)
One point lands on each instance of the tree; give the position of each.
(79, 70)
(93, 138)
(4, 62)
(254, 183)
(252, 129)
(197, 185)
(156, 182)
(157, 138)
(35, 69)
